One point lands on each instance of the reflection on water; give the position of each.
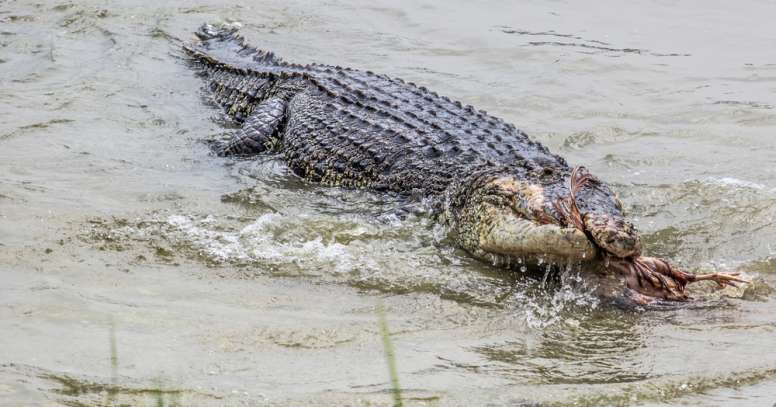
(598, 349)
(237, 283)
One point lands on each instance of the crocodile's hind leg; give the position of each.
(259, 131)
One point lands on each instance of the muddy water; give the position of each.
(138, 269)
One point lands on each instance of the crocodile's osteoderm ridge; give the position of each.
(505, 197)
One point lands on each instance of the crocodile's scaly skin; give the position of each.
(345, 127)
(504, 196)
(355, 128)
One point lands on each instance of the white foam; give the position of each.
(735, 182)
(275, 239)
(220, 246)
(256, 242)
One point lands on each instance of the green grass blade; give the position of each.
(390, 357)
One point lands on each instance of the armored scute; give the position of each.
(504, 196)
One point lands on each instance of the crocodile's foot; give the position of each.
(656, 279)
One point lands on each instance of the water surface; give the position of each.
(136, 267)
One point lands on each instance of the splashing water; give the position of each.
(573, 296)
(256, 242)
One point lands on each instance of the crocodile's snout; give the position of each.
(613, 234)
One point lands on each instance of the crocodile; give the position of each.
(505, 198)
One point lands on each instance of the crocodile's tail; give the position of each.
(221, 44)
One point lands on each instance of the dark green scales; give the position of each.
(350, 128)
(505, 197)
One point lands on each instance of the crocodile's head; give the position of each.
(561, 217)
(532, 217)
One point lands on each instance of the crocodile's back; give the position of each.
(356, 128)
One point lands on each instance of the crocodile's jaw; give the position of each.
(505, 233)
(497, 222)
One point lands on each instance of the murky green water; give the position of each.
(138, 269)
